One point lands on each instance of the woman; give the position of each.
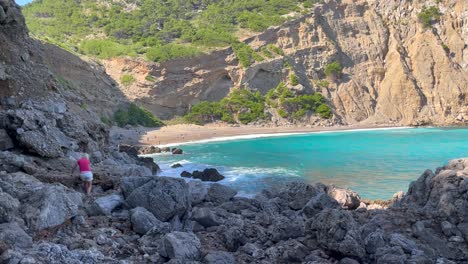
(85, 172)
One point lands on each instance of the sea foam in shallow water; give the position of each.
(375, 163)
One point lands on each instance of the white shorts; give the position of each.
(86, 176)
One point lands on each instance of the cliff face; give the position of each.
(395, 71)
(51, 101)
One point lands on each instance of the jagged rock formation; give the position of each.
(167, 220)
(51, 101)
(395, 71)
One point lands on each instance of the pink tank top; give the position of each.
(84, 165)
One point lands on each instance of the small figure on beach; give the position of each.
(85, 172)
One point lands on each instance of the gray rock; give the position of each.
(163, 196)
(374, 241)
(55, 253)
(181, 245)
(406, 244)
(393, 255)
(8, 207)
(219, 257)
(463, 227)
(104, 205)
(219, 194)
(46, 145)
(5, 140)
(346, 198)
(176, 165)
(186, 174)
(14, 235)
(198, 191)
(206, 217)
(337, 230)
(211, 175)
(129, 184)
(284, 228)
(318, 203)
(177, 151)
(348, 261)
(51, 206)
(143, 220)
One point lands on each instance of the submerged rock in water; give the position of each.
(176, 165)
(177, 151)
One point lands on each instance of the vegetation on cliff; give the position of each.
(241, 106)
(136, 115)
(428, 16)
(154, 27)
(244, 106)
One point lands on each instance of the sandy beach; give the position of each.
(183, 133)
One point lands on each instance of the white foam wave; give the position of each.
(253, 136)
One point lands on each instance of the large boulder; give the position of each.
(346, 198)
(14, 235)
(198, 191)
(9, 207)
(206, 217)
(143, 221)
(318, 203)
(336, 230)
(50, 205)
(177, 151)
(181, 246)
(104, 205)
(5, 140)
(219, 194)
(149, 150)
(132, 151)
(149, 163)
(211, 175)
(163, 196)
(129, 184)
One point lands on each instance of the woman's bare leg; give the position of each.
(90, 186)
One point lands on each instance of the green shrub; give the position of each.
(245, 54)
(333, 69)
(282, 113)
(324, 111)
(104, 48)
(205, 112)
(293, 79)
(323, 83)
(287, 65)
(127, 80)
(150, 78)
(106, 120)
(135, 115)
(299, 114)
(428, 16)
(295, 106)
(446, 48)
(121, 117)
(64, 83)
(241, 103)
(275, 49)
(171, 51)
(266, 53)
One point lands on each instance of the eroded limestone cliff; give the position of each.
(395, 70)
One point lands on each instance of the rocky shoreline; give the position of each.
(137, 217)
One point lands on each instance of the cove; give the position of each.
(374, 163)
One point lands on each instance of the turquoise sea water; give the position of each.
(375, 163)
